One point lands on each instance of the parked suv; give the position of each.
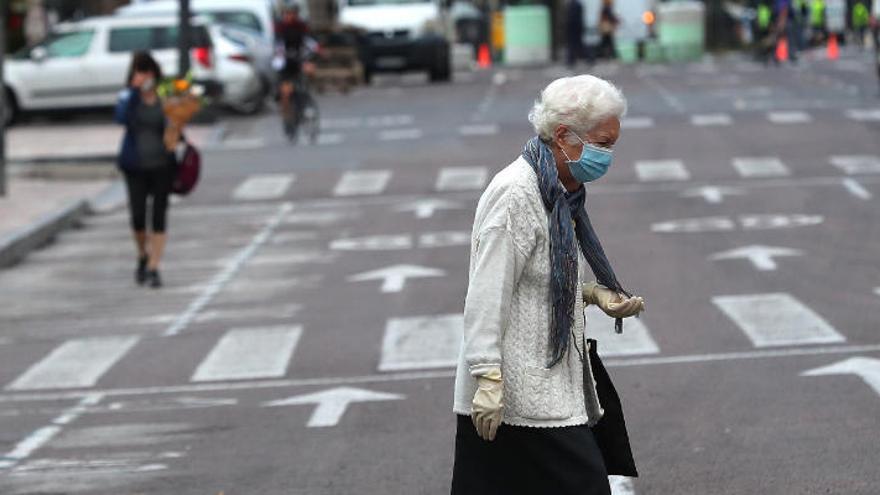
(401, 35)
(84, 64)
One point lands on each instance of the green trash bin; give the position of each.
(627, 51)
(526, 34)
(681, 30)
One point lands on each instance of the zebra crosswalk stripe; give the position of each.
(857, 164)
(263, 186)
(635, 340)
(712, 119)
(637, 123)
(760, 167)
(776, 319)
(659, 170)
(400, 134)
(77, 363)
(789, 117)
(421, 342)
(478, 130)
(250, 353)
(461, 178)
(362, 182)
(864, 115)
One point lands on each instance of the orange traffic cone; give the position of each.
(484, 60)
(782, 50)
(833, 49)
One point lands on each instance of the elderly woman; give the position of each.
(525, 391)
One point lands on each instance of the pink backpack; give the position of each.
(189, 166)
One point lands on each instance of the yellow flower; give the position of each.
(181, 85)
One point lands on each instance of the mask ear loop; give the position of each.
(563, 149)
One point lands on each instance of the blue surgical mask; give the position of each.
(592, 164)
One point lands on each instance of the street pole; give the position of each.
(3, 103)
(183, 42)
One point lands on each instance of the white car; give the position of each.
(258, 51)
(256, 15)
(84, 64)
(245, 87)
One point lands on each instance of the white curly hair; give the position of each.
(578, 102)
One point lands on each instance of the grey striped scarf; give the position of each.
(563, 250)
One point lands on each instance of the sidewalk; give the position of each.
(59, 173)
(35, 210)
(76, 143)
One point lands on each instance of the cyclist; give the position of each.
(291, 34)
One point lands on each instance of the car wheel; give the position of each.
(9, 108)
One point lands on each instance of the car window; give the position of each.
(70, 44)
(235, 18)
(153, 38)
(131, 39)
(166, 37)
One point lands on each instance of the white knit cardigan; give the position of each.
(507, 311)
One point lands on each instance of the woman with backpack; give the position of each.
(146, 163)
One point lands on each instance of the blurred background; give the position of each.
(305, 336)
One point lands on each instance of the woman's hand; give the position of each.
(486, 410)
(612, 303)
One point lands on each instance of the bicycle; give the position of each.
(305, 116)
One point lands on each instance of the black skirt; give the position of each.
(528, 461)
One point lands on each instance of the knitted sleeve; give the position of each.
(498, 258)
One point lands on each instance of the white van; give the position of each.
(402, 35)
(255, 15)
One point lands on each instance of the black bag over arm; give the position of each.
(610, 431)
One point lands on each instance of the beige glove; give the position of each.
(611, 303)
(487, 408)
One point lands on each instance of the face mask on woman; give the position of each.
(592, 164)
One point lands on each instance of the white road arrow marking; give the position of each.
(395, 276)
(333, 403)
(868, 369)
(711, 194)
(427, 208)
(760, 256)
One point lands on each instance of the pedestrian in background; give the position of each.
(817, 22)
(766, 42)
(526, 395)
(861, 17)
(148, 166)
(786, 27)
(608, 22)
(574, 31)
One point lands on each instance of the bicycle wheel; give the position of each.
(310, 118)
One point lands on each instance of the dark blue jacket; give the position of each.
(126, 106)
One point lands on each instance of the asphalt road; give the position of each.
(305, 340)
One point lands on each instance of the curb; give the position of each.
(14, 247)
(73, 160)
